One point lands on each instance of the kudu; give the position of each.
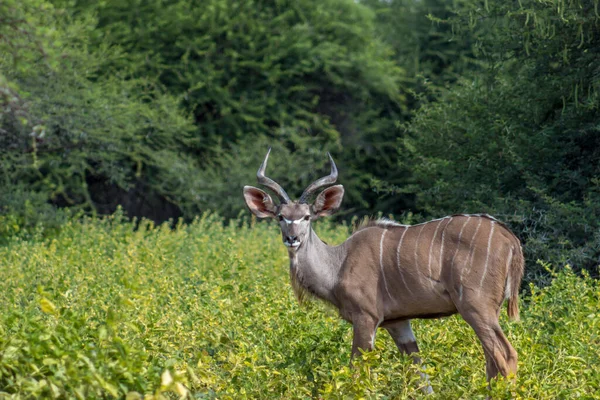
(386, 274)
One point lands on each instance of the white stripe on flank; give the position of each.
(507, 288)
(487, 256)
(471, 251)
(381, 262)
(457, 247)
(416, 255)
(398, 260)
(431, 250)
(442, 248)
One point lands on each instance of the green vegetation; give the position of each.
(519, 138)
(205, 310)
(166, 107)
(72, 138)
(430, 108)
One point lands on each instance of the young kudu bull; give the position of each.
(386, 274)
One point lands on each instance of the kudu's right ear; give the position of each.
(328, 201)
(259, 202)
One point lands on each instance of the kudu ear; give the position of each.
(259, 202)
(328, 201)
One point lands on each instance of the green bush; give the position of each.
(310, 75)
(143, 103)
(205, 310)
(519, 139)
(254, 67)
(69, 135)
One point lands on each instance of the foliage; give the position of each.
(266, 71)
(423, 44)
(70, 135)
(205, 311)
(249, 68)
(520, 138)
(97, 97)
(429, 108)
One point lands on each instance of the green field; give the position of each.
(204, 310)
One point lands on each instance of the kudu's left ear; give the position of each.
(328, 201)
(259, 202)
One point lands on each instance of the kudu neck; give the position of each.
(317, 265)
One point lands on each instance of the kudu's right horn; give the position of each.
(270, 183)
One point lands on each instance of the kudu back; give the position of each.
(386, 274)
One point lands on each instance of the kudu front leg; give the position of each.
(365, 328)
(406, 342)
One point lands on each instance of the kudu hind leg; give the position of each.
(509, 352)
(405, 339)
(406, 342)
(500, 356)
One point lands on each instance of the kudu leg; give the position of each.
(406, 342)
(501, 357)
(365, 328)
(405, 339)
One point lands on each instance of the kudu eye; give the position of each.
(280, 217)
(307, 217)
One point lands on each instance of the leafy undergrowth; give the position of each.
(206, 311)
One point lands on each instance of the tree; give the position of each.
(66, 129)
(520, 138)
(310, 74)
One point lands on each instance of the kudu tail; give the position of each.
(513, 282)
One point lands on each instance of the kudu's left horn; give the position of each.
(326, 180)
(270, 183)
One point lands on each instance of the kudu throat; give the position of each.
(314, 269)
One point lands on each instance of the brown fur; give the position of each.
(517, 265)
(470, 277)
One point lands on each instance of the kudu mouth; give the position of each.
(292, 244)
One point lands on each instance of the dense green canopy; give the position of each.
(429, 108)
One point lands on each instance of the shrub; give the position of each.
(106, 310)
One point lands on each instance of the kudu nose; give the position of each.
(292, 239)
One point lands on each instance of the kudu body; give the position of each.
(386, 274)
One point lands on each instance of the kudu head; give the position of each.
(294, 216)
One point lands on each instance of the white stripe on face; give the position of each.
(295, 221)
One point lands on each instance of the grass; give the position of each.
(103, 310)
